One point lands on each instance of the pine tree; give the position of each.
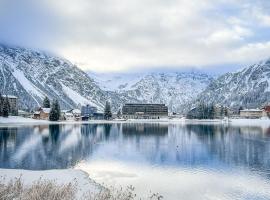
(221, 111)
(46, 102)
(211, 112)
(201, 111)
(55, 111)
(226, 112)
(5, 107)
(240, 108)
(119, 114)
(107, 111)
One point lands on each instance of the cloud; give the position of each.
(116, 35)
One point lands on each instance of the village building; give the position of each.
(71, 115)
(42, 113)
(98, 116)
(144, 111)
(76, 113)
(25, 114)
(266, 111)
(13, 105)
(251, 113)
(88, 112)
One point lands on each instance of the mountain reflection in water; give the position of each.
(192, 146)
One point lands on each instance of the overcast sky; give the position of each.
(119, 35)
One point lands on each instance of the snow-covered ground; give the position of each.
(13, 120)
(64, 176)
(17, 119)
(250, 122)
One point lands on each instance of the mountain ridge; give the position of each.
(175, 89)
(32, 75)
(248, 87)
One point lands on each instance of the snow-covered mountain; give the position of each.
(249, 87)
(176, 89)
(32, 75)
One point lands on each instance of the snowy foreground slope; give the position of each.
(176, 89)
(249, 87)
(32, 75)
(64, 176)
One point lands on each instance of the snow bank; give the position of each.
(19, 120)
(238, 122)
(250, 122)
(65, 176)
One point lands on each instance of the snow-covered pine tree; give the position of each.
(107, 111)
(119, 114)
(46, 102)
(55, 111)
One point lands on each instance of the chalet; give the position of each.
(70, 115)
(42, 113)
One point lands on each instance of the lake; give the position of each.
(179, 161)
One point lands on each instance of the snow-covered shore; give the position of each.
(64, 176)
(16, 120)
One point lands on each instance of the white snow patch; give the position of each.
(76, 97)
(17, 119)
(28, 86)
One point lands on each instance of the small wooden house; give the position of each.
(42, 113)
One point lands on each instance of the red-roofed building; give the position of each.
(266, 111)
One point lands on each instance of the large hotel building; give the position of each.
(144, 111)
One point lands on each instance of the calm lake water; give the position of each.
(178, 161)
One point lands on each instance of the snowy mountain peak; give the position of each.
(32, 75)
(175, 89)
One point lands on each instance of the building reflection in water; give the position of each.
(63, 146)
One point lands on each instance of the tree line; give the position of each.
(208, 111)
(55, 110)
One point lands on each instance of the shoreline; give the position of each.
(15, 120)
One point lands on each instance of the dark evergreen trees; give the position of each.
(211, 112)
(221, 113)
(119, 114)
(240, 108)
(55, 111)
(107, 111)
(46, 102)
(226, 112)
(5, 110)
(208, 111)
